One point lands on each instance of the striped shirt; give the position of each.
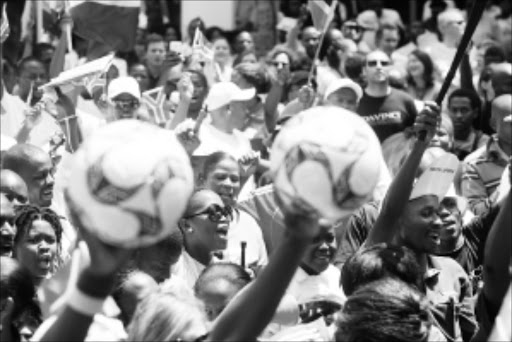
(481, 175)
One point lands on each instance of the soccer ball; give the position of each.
(130, 183)
(325, 159)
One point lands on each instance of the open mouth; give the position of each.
(323, 256)
(45, 261)
(48, 193)
(435, 236)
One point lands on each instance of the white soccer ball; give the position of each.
(326, 159)
(130, 183)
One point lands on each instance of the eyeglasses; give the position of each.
(215, 213)
(374, 63)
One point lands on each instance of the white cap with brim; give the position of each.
(341, 83)
(124, 85)
(223, 93)
(437, 179)
(462, 202)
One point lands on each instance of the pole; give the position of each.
(474, 18)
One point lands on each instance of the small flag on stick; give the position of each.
(154, 100)
(202, 45)
(322, 16)
(5, 30)
(321, 13)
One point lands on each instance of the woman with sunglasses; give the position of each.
(205, 227)
(223, 175)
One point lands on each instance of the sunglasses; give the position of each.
(126, 104)
(356, 28)
(215, 213)
(312, 311)
(374, 63)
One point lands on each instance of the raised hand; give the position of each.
(306, 96)
(172, 59)
(428, 121)
(186, 87)
(249, 163)
(187, 133)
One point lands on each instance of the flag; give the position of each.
(95, 81)
(110, 22)
(202, 45)
(321, 13)
(154, 101)
(4, 26)
(87, 74)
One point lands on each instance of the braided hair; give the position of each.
(27, 214)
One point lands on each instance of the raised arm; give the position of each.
(237, 322)
(400, 189)
(186, 90)
(273, 99)
(87, 296)
(497, 258)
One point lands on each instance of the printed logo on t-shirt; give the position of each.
(388, 118)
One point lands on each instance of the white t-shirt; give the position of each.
(325, 75)
(187, 268)
(214, 140)
(306, 288)
(245, 228)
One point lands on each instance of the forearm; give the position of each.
(271, 103)
(292, 39)
(23, 135)
(72, 131)
(497, 257)
(397, 196)
(181, 113)
(72, 325)
(466, 74)
(270, 285)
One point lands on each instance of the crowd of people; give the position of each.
(405, 266)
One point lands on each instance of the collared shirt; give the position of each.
(449, 291)
(475, 140)
(481, 175)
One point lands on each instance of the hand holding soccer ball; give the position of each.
(326, 160)
(130, 183)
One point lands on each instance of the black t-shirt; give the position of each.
(389, 114)
(469, 256)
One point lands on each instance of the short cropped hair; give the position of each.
(473, 97)
(153, 38)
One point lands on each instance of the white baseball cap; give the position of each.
(123, 85)
(340, 83)
(223, 93)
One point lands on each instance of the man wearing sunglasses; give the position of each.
(123, 98)
(386, 109)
